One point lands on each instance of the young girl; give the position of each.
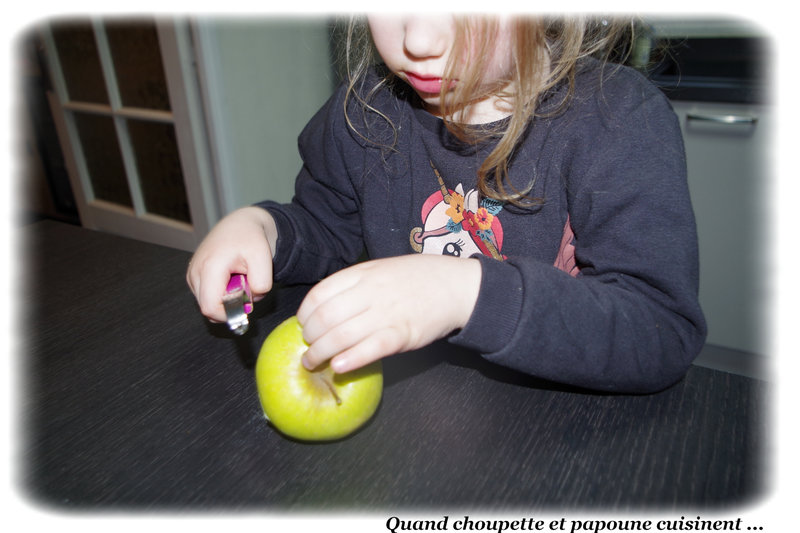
(514, 194)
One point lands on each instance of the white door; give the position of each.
(129, 118)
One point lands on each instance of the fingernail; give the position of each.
(306, 363)
(339, 365)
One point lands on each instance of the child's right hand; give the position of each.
(243, 242)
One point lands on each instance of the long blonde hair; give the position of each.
(545, 52)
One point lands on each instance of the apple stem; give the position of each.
(333, 391)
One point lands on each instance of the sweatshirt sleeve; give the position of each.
(630, 321)
(319, 231)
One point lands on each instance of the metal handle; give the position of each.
(722, 119)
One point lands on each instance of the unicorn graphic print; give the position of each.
(459, 224)
(462, 224)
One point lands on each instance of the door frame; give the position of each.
(191, 134)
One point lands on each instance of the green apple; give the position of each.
(312, 406)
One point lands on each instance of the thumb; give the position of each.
(259, 274)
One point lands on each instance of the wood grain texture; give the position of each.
(131, 400)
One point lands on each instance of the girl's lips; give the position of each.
(425, 84)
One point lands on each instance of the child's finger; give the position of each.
(333, 313)
(335, 341)
(325, 305)
(258, 270)
(382, 343)
(209, 297)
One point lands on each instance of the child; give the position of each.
(513, 194)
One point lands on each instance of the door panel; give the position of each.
(122, 99)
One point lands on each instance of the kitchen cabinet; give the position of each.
(716, 72)
(729, 179)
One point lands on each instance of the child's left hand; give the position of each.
(386, 306)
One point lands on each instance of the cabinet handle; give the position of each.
(722, 119)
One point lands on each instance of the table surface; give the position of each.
(131, 400)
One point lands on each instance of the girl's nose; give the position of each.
(428, 36)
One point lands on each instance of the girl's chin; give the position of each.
(432, 106)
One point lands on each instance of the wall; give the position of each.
(263, 78)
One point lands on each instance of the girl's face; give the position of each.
(417, 49)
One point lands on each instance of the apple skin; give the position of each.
(312, 406)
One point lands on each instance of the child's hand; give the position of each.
(243, 242)
(386, 306)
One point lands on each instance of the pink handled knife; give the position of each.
(238, 302)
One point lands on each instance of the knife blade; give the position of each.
(238, 302)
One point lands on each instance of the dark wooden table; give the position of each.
(131, 400)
